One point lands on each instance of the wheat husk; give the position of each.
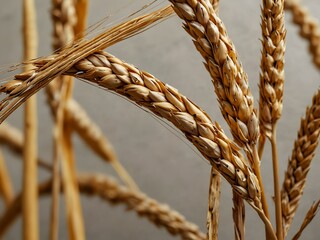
(299, 163)
(108, 189)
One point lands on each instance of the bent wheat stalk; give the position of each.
(108, 189)
(6, 189)
(271, 87)
(299, 163)
(108, 72)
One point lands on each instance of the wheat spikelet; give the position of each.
(108, 189)
(309, 28)
(272, 64)
(229, 79)
(308, 218)
(299, 162)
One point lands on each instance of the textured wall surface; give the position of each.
(164, 166)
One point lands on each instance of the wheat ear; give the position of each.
(30, 195)
(111, 73)
(299, 162)
(309, 28)
(271, 87)
(108, 189)
(229, 79)
(6, 189)
(307, 219)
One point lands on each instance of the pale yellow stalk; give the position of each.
(6, 189)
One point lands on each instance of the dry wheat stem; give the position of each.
(238, 213)
(30, 194)
(6, 188)
(309, 28)
(308, 218)
(213, 205)
(12, 137)
(108, 189)
(74, 53)
(64, 19)
(271, 86)
(93, 137)
(299, 163)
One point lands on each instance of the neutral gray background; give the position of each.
(165, 167)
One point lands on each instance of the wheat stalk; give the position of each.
(238, 214)
(299, 162)
(213, 205)
(309, 28)
(308, 218)
(271, 87)
(109, 190)
(30, 196)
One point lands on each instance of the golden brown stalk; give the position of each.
(30, 195)
(74, 53)
(309, 28)
(81, 7)
(64, 19)
(93, 137)
(307, 219)
(109, 190)
(271, 87)
(238, 213)
(299, 162)
(213, 205)
(6, 188)
(13, 138)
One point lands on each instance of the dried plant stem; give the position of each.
(299, 163)
(238, 213)
(309, 28)
(6, 188)
(276, 183)
(30, 194)
(213, 205)
(12, 137)
(307, 219)
(109, 190)
(81, 7)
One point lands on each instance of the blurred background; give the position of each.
(165, 167)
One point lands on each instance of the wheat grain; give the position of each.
(299, 162)
(309, 28)
(109, 190)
